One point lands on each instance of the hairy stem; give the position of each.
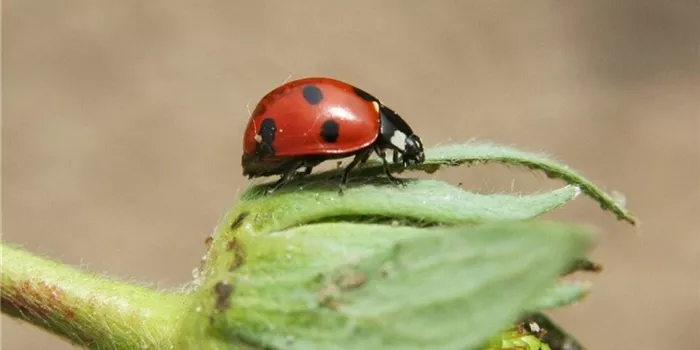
(90, 311)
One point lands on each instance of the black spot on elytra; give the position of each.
(330, 130)
(239, 220)
(312, 94)
(267, 132)
(365, 95)
(223, 291)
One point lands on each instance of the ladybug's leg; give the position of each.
(309, 165)
(396, 157)
(286, 176)
(306, 172)
(365, 157)
(382, 154)
(355, 161)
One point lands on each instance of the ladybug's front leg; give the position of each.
(387, 170)
(396, 157)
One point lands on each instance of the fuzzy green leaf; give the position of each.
(423, 202)
(560, 294)
(474, 153)
(407, 288)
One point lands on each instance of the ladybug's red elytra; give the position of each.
(307, 121)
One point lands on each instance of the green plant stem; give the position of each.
(90, 311)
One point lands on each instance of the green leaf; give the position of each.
(561, 294)
(424, 202)
(473, 153)
(359, 286)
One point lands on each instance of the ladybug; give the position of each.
(307, 121)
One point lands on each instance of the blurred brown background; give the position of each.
(123, 122)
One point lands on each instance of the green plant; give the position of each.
(381, 267)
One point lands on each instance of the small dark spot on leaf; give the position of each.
(207, 242)
(320, 277)
(236, 246)
(352, 281)
(431, 168)
(328, 296)
(223, 291)
(232, 244)
(585, 265)
(239, 220)
(386, 269)
(289, 340)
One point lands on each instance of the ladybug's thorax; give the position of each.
(398, 135)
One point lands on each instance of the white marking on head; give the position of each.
(399, 140)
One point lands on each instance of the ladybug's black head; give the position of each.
(396, 133)
(413, 151)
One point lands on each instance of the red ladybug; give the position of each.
(307, 121)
